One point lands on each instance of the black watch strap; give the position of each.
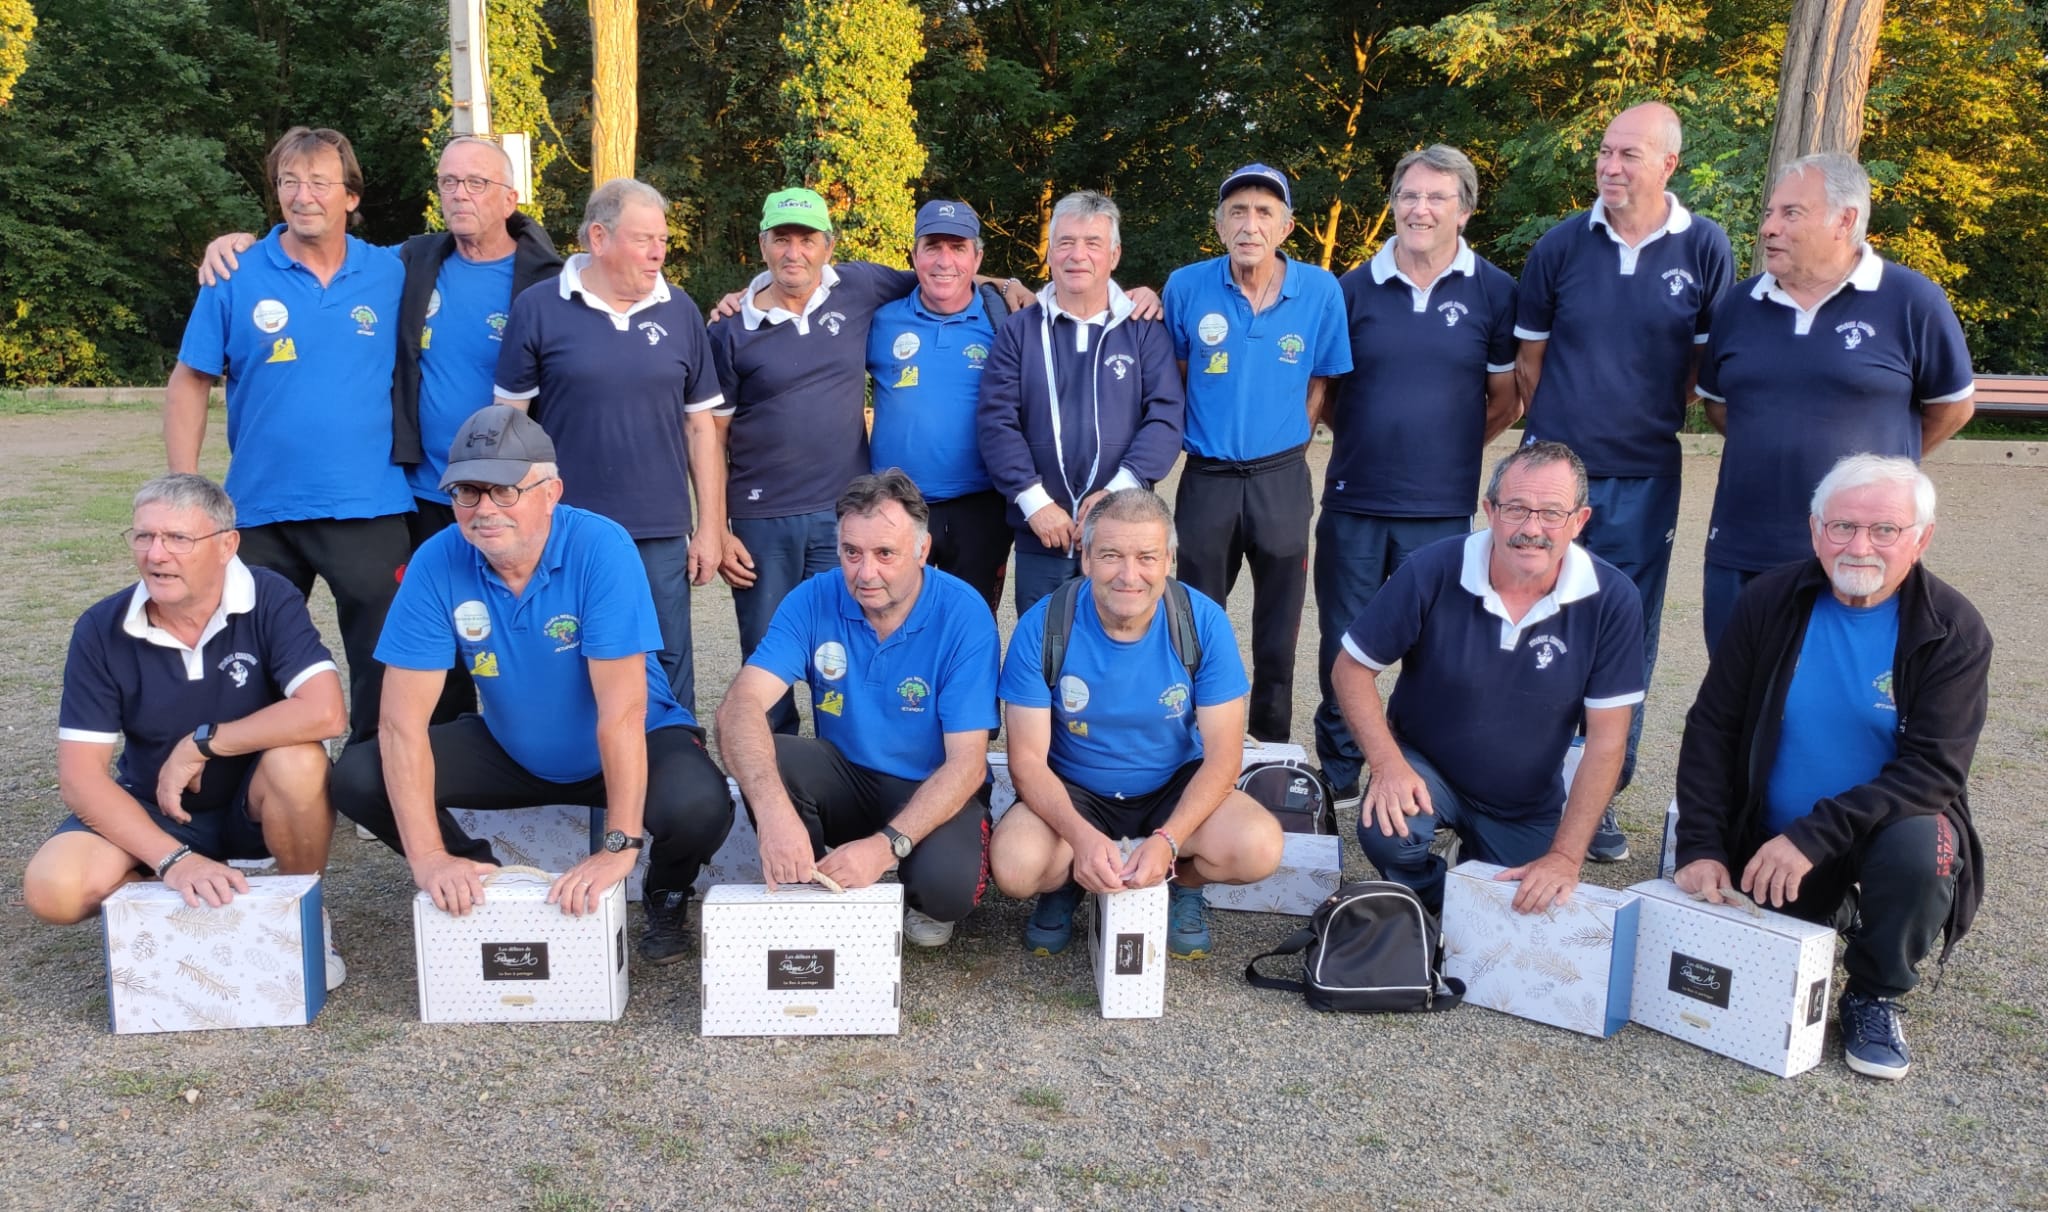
(900, 843)
(202, 740)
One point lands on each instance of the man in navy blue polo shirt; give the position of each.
(901, 664)
(1257, 336)
(1612, 310)
(547, 607)
(209, 677)
(304, 336)
(926, 352)
(1141, 741)
(614, 365)
(1832, 350)
(1080, 397)
(1504, 638)
(1431, 383)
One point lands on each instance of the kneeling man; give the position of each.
(1144, 738)
(211, 678)
(901, 662)
(547, 607)
(1504, 637)
(1827, 754)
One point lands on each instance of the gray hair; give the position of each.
(480, 141)
(608, 202)
(1445, 159)
(182, 490)
(1130, 505)
(1086, 204)
(1844, 182)
(1864, 470)
(866, 495)
(1540, 454)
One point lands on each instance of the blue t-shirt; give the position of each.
(887, 705)
(611, 390)
(459, 344)
(1125, 719)
(1247, 375)
(126, 680)
(1805, 388)
(1493, 704)
(1409, 423)
(1841, 724)
(588, 600)
(308, 371)
(794, 385)
(927, 373)
(1622, 324)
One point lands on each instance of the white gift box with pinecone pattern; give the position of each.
(257, 961)
(1571, 965)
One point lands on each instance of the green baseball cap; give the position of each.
(795, 208)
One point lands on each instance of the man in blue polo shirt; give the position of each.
(1080, 397)
(1257, 336)
(901, 664)
(1832, 350)
(1612, 310)
(1431, 383)
(926, 352)
(304, 336)
(547, 607)
(614, 365)
(1143, 740)
(210, 678)
(1504, 638)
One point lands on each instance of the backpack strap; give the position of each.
(1180, 626)
(1296, 944)
(1059, 628)
(1451, 1000)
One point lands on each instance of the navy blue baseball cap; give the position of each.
(941, 217)
(1262, 175)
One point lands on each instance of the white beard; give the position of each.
(1856, 580)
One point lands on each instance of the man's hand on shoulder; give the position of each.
(580, 888)
(200, 879)
(1773, 874)
(219, 262)
(456, 884)
(1546, 883)
(858, 864)
(1145, 304)
(726, 307)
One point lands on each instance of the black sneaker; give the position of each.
(667, 937)
(1610, 844)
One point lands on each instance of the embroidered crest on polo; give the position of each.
(1073, 693)
(830, 658)
(472, 621)
(497, 321)
(1121, 364)
(655, 332)
(1548, 648)
(913, 691)
(1452, 312)
(1882, 683)
(237, 666)
(269, 316)
(1291, 348)
(1676, 280)
(1853, 332)
(906, 345)
(566, 630)
(366, 321)
(976, 354)
(832, 320)
(1213, 328)
(1175, 700)
(433, 304)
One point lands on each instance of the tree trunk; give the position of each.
(614, 88)
(1829, 46)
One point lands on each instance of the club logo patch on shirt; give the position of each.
(1853, 333)
(913, 691)
(832, 320)
(1676, 280)
(830, 658)
(976, 355)
(485, 665)
(237, 666)
(366, 321)
(1175, 700)
(1078, 727)
(1073, 694)
(1291, 348)
(472, 621)
(908, 378)
(433, 305)
(282, 350)
(497, 321)
(427, 339)
(269, 316)
(906, 345)
(1452, 312)
(1882, 683)
(1213, 328)
(1219, 363)
(654, 332)
(832, 703)
(566, 630)
(1547, 648)
(1121, 364)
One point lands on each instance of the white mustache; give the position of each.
(1542, 542)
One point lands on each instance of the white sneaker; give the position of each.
(365, 834)
(337, 971)
(925, 931)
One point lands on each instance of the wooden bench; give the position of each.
(2012, 397)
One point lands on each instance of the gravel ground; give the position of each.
(1005, 1089)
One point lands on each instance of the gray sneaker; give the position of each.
(1609, 843)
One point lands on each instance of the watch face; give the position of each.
(901, 845)
(615, 840)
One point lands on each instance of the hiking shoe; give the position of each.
(1872, 1041)
(1187, 923)
(1051, 926)
(1609, 843)
(667, 937)
(1348, 797)
(337, 971)
(926, 931)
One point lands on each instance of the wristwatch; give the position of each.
(616, 840)
(900, 843)
(202, 740)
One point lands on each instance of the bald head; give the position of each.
(1638, 154)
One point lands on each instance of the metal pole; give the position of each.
(469, 70)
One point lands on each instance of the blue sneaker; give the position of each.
(1051, 926)
(1187, 923)
(1872, 1041)
(1610, 845)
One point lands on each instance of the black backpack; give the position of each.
(1371, 949)
(1059, 627)
(1295, 792)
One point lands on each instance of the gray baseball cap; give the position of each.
(497, 445)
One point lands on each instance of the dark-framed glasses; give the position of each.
(1882, 534)
(504, 496)
(467, 185)
(1515, 515)
(140, 541)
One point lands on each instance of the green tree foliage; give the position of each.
(17, 28)
(852, 133)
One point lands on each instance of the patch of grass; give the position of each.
(549, 1193)
(136, 1083)
(1756, 1085)
(1033, 1150)
(1072, 999)
(927, 1017)
(780, 1142)
(1042, 1098)
(40, 404)
(1295, 1089)
(1372, 1140)
(320, 1096)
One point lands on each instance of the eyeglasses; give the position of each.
(1409, 197)
(319, 187)
(1515, 515)
(467, 185)
(175, 543)
(504, 496)
(1882, 534)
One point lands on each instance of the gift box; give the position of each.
(1311, 867)
(1667, 858)
(1570, 966)
(258, 961)
(1747, 983)
(1127, 949)
(556, 837)
(517, 959)
(802, 960)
